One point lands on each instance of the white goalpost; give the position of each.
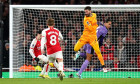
(120, 50)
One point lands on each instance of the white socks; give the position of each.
(47, 69)
(60, 66)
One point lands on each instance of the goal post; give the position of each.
(122, 57)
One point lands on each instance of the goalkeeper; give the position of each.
(101, 31)
(89, 35)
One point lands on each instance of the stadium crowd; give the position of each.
(121, 48)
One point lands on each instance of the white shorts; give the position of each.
(54, 56)
(43, 58)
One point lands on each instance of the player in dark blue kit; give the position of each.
(101, 32)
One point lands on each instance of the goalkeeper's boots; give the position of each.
(76, 55)
(41, 75)
(104, 70)
(46, 77)
(51, 64)
(79, 75)
(61, 75)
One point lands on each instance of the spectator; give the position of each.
(27, 67)
(116, 63)
(138, 61)
(130, 43)
(132, 63)
(108, 53)
(72, 2)
(95, 2)
(136, 2)
(6, 56)
(36, 66)
(120, 54)
(82, 1)
(71, 24)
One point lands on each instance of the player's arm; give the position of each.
(60, 36)
(62, 41)
(31, 50)
(43, 41)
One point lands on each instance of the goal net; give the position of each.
(120, 50)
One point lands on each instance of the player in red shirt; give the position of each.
(35, 51)
(50, 38)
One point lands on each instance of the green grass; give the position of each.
(118, 74)
(70, 81)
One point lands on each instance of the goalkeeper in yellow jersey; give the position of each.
(89, 36)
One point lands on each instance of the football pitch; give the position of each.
(70, 81)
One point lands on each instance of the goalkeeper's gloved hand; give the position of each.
(37, 59)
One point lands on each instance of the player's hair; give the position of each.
(107, 20)
(87, 8)
(50, 22)
(39, 32)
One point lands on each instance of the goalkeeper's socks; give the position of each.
(84, 66)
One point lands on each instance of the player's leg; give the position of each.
(84, 65)
(81, 42)
(46, 67)
(95, 46)
(78, 45)
(49, 59)
(46, 76)
(81, 54)
(54, 64)
(43, 71)
(89, 50)
(59, 58)
(43, 58)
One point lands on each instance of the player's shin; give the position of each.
(44, 69)
(60, 66)
(84, 66)
(98, 53)
(56, 65)
(47, 69)
(46, 76)
(101, 60)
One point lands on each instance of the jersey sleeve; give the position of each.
(43, 40)
(60, 36)
(31, 50)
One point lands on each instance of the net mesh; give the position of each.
(120, 48)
